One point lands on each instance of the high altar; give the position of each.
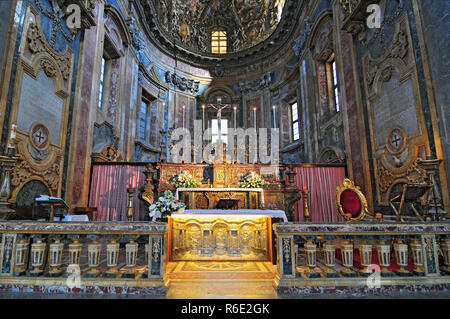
(244, 233)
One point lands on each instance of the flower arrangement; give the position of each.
(252, 180)
(184, 180)
(165, 206)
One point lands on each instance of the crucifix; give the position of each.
(219, 107)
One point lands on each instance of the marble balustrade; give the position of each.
(86, 251)
(349, 254)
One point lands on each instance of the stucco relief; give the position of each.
(398, 132)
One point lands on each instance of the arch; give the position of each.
(330, 155)
(324, 17)
(119, 21)
(216, 88)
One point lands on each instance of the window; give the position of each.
(333, 82)
(219, 42)
(143, 120)
(102, 84)
(223, 130)
(295, 122)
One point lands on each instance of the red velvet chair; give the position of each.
(351, 202)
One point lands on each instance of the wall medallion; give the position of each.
(396, 140)
(40, 137)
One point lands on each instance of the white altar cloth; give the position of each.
(73, 218)
(266, 212)
(259, 190)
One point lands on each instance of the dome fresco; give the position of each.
(244, 23)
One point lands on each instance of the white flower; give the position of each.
(154, 214)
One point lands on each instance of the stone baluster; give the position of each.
(75, 250)
(445, 247)
(55, 255)
(347, 258)
(384, 256)
(329, 251)
(311, 257)
(417, 252)
(94, 250)
(365, 254)
(131, 250)
(112, 257)
(401, 255)
(37, 255)
(21, 255)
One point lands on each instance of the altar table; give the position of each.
(258, 190)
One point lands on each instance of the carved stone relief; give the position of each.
(398, 134)
(183, 84)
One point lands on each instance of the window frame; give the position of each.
(221, 39)
(293, 122)
(333, 83)
(101, 88)
(145, 120)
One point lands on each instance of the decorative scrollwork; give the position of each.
(37, 44)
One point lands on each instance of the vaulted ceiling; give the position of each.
(246, 22)
(255, 29)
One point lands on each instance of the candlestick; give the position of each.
(130, 203)
(305, 205)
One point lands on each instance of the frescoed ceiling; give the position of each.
(247, 22)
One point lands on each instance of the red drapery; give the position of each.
(109, 194)
(321, 183)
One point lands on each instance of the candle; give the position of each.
(235, 108)
(274, 119)
(254, 116)
(131, 186)
(184, 114)
(13, 132)
(305, 188)
(203, 118)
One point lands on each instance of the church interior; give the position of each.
(224, 148)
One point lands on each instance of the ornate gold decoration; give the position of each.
(219, 237)
(348, 184)
(37, 44)
(24, 172)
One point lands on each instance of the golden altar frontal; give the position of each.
(224, 237)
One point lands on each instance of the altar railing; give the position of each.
(334, 255)
(74, 255)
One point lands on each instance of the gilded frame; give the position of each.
(348, 184)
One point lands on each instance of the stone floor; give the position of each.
(225, 280)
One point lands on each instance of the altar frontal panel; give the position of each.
(220, 238)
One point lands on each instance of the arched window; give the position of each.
(219, 42)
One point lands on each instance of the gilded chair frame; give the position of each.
(348, 184)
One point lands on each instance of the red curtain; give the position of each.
(321, 183)
(109, 194)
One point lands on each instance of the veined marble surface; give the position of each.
(82, 227)
(345, 228)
